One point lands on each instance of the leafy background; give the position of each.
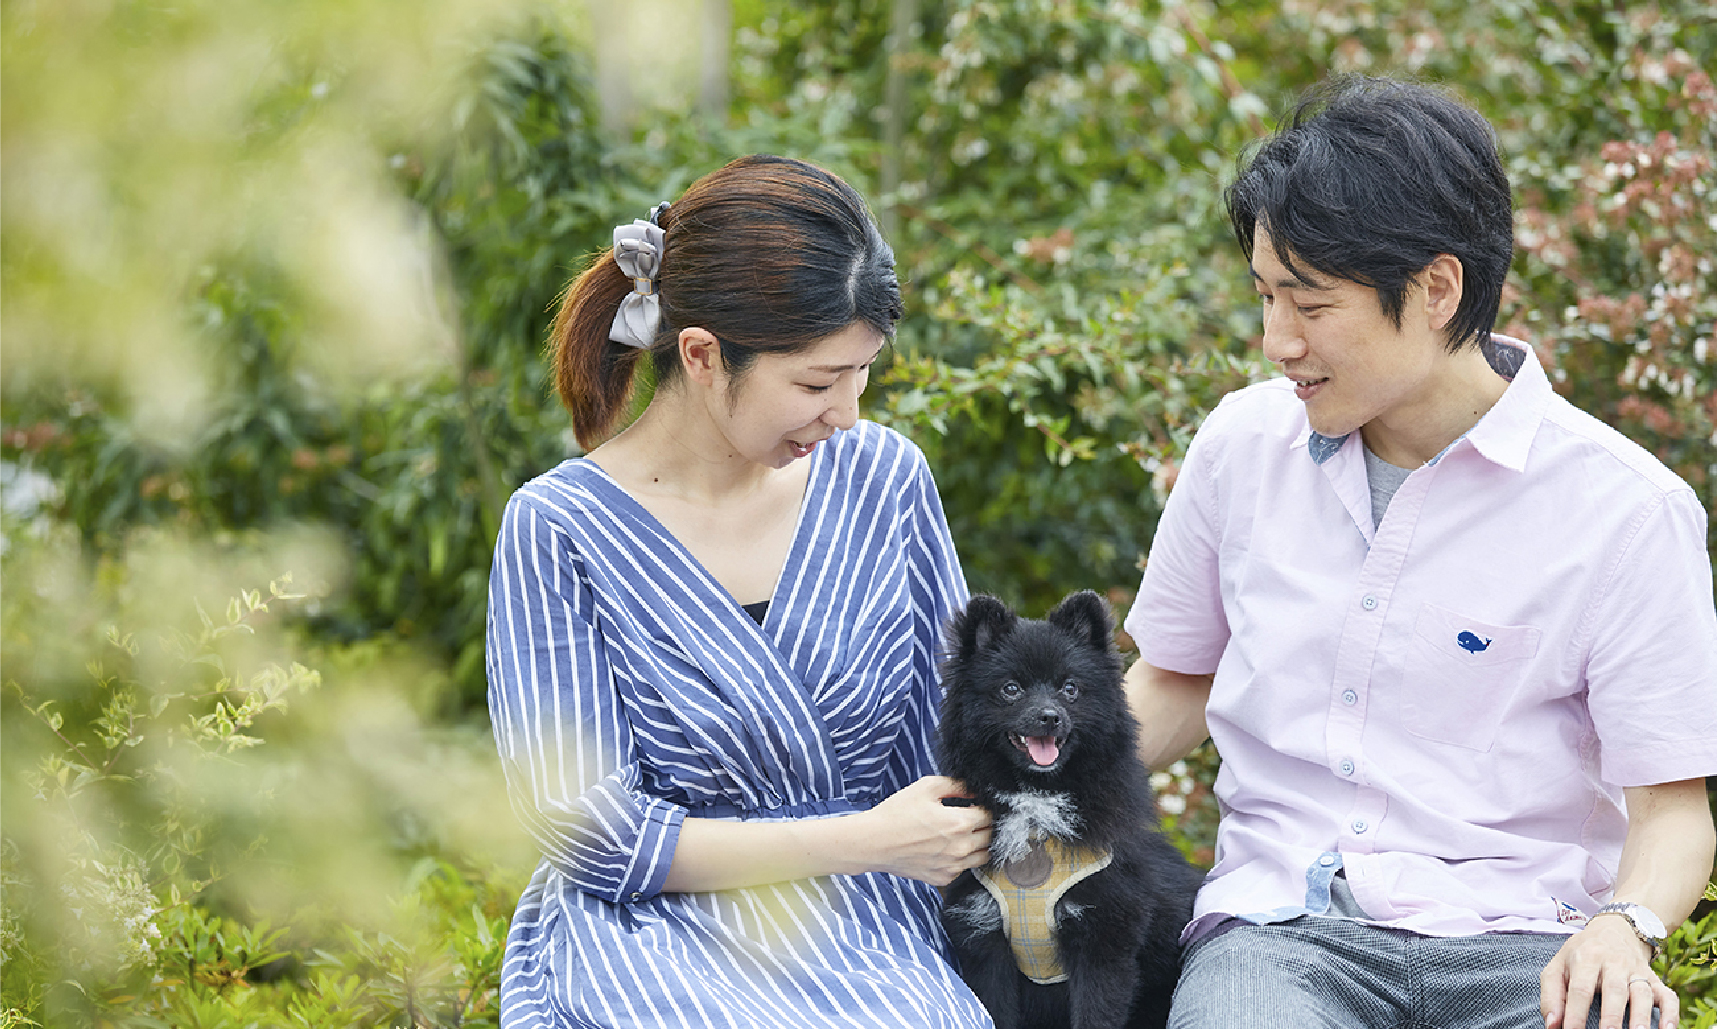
(276, 280)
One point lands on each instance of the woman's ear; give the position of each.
(700, 356)
(1444, 280)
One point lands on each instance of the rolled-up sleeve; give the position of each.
(566, 746)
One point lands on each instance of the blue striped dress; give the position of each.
(629, 691)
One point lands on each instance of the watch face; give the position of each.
(1648, 923)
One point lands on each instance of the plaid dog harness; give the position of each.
(1027, 891)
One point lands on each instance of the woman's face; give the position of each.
(785, 405)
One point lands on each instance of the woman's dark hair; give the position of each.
(1370, 181)
(768, 254)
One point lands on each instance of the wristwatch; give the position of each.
(1647, 926)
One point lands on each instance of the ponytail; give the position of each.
(592, 373)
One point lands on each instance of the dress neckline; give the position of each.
(795, 549)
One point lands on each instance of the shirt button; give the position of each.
(1347, 768)
(1327, 860)
(1349, 697)
(1359, 825)
(1369, 602)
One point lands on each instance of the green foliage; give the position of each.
(1061, 441)
(436, 965)
(440, 966)
(1185, 804)
(413, 469)
(121, 786)
(1689, 963)
(143, 847)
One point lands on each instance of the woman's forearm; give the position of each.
(722, 855)
(911, 833)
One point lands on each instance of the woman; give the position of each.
(712, 640)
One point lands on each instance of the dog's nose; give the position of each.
(1049, 718)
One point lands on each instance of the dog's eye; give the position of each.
(1012, 690)
(1070, 690)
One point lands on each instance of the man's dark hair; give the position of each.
(1369, 181)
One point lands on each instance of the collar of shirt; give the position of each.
(1504, 435)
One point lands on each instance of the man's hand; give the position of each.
(1665, 863)
(1607, 962)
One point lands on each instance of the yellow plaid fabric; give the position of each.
(1028, 911)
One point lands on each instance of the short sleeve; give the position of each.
(1177, 619)
(1651, 664)
(565, 743)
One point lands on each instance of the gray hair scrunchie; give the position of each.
(638, 250)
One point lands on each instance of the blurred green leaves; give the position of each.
(229, 245)
(177, 783)
(144, 141)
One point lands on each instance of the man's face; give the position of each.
(1349, 361)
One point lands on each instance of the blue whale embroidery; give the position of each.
(1471, 644)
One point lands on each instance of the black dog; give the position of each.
(1035, 724)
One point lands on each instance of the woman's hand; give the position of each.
(910, 834)
(913, 834)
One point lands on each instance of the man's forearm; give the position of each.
(1169, 707)
(1666, 859)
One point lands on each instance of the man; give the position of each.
(1453, 638)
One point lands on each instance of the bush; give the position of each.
(207, 836)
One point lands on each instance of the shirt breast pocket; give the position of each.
(1461, 675)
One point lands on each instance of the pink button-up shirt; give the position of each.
(1449, 706)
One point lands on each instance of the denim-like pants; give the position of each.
(1332, 973)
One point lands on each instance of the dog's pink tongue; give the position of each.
(1042, 749)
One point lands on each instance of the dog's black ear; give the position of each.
(1085, 614)
(984, 621)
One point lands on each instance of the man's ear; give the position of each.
(1445, 280)
(700, 356)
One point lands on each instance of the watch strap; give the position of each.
(1653, 943)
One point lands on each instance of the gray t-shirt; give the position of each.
(1385, 479)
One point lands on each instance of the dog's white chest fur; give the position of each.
(1032, 814)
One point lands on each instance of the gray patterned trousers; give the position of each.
(1332, 973)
